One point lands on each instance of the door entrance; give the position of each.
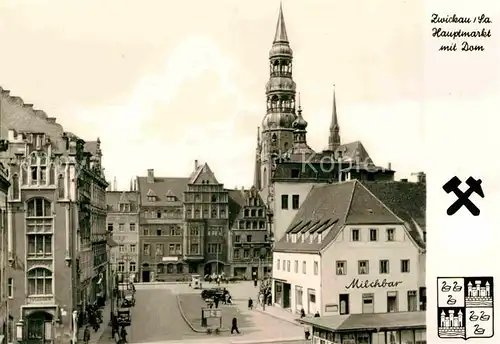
(146, 276)
(286, 295)
(255, 272)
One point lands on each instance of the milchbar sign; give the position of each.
(359, 284)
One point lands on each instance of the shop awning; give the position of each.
(367, 322)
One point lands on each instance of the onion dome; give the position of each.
(300, 123)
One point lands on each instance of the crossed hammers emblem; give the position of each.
(463, 197)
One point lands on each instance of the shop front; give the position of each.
(282, 293)
(376, 328)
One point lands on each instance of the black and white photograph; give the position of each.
(212, 172)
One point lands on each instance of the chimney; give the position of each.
(242, 188)
(421, 177)
(135, 184)
(114, 185)
(389, 166)
(196, 165)
(151, 176)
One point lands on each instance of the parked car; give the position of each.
(212, 292)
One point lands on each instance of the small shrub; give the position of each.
(209, 331)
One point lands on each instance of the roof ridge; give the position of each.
(350, 201)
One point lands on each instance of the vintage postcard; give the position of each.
(246, 172)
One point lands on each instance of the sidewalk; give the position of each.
(96, 336)
(280, 313)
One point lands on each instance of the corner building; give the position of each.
(55, 222)
(354, 248)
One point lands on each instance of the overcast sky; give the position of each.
(163, 83)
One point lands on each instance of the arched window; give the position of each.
(180, 268)
(15, 187)
(34, 168)
(39, 207)
(39, 281)
(43, 169)
(170, 268)
(132, 267)
(160, 268)
(145, 266)
(121, 267)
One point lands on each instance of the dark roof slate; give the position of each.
(160, 188)
(353, 202)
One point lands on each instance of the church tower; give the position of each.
(277, 129)
(334, 138)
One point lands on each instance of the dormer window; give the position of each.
(151, 198)
(171, 199)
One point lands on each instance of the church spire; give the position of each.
(281, 36)
(257, 172)
(334, 138)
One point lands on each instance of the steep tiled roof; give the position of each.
(330, 207)
(325, 205)
(114, 198)
(160, 188)
(236, 203)
(406, 200)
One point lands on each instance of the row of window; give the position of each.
(122, 227)
(124, 207)
(368, 302)
(132, 267)
(214, 214)
(170, 213)
(172, 231)
(131, 248)
(374, 234)
(364, 266)
(173, 249)
(242, 224)
(254, 253)
(153, 198)
(254, 212)
(295, 201)
(287, 264)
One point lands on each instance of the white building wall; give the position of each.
(298, 280)
(283, 217)
(344, 249)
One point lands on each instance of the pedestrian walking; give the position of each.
(234, 326)
(307, 332)
(302, 313)
(255, 283)
(123, 335)
(86, 335)
(216, 302)
(250, 303)
(261, 300)
(316, 315)
(114, 326)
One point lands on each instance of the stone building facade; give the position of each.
(123, 224)
(161, 227)
(250, 240)
(57, 187)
